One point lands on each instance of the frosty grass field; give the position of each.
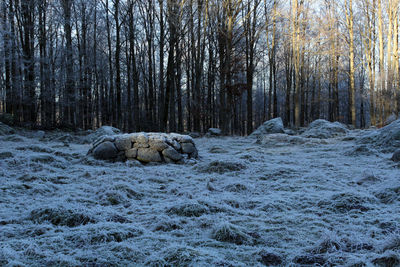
(283, 201)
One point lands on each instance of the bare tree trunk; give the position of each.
(382, 88)
(7, 60)
(69, 111)
(352, 92)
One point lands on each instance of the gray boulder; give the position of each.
(269, 127)
(148, 155)
(324, 129)
(171, 153)
(131, 153)
(188, 148)
(106, 151)
(214, 132)
(396, 156)
(123, 142)
(102, 131)
(386, 139)
(107, 130)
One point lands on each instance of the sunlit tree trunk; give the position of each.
(352, 93)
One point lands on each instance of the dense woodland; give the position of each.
(187, 65)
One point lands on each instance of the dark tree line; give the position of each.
(188, 65)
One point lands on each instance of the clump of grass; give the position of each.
(112, 197)
(387, 259)
(237, 187)
(130, 193)
(180, 256)
(269, 258)
(167, 226)
(388, 195)
(43, 159)
(102, 233)
(327, 245)
(345, 202)
(310, 259)
(6, 155)
(393, 243)
(361, 150)
(34, 148)
(231, 234)
(221, 167)
(60, 217)
(217, 150)
(188, 210)
(13, 138)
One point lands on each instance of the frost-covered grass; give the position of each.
(243, 203)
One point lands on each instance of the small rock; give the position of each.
(168, 160)
(141, 145)
(172, 154)
(123, 142)
(148, 155)
(158, 145)
(214, 132)
(142, 138)
(176, 145)
(103, 130)
(396, 156)
(106, 150)
(131, 153)
(103, 139)
(181, 138)
(188, 148)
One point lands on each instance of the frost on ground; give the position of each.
(276, 200)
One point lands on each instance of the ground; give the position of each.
(242, 203)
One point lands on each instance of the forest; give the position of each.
(188, 65)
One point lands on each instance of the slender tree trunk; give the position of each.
(352, 92)
(70, 107)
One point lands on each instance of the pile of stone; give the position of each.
(145, 147)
